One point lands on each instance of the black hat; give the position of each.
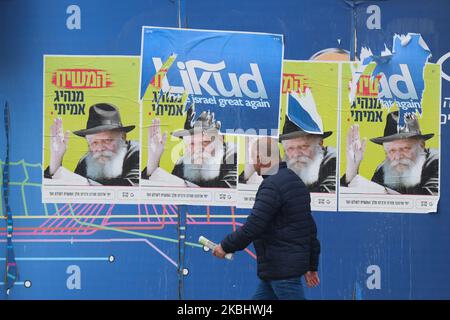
(205, 123)
(103, 117)
(392, 132)
(292, 131)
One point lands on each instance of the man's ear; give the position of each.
(124, 136)
(321, 142)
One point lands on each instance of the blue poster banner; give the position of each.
(236, 75)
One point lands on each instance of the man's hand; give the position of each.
(58, 145)
(355, 151)
(218, 252)
(312, 279)
(156, 145)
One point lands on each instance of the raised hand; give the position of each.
(355, 152)
(156, 145)
(249, 168)
(58, 145)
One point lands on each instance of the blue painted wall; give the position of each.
(125, 262)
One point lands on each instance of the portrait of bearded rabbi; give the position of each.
(306, 155)
(111, 158)
(208, 161)
(409, 167)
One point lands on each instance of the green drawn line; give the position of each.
(56, 210)
(22, 184)
(27, 184)
(130, 232)
(23, 187)
(45, 209)
(13, 163)
(34, 165)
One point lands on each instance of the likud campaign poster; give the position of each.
(308, 134)
(200, 90)
(91, 129)
(390, 145)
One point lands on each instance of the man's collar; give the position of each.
(275, 169)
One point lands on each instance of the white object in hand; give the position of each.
(211, 245)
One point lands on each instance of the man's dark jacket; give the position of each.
(281, 228)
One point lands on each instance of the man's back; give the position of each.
(281, 227)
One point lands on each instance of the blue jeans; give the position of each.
(287, 289)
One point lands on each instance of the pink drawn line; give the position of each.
(53, 220)
(97, 213)
(215, 223)
(138, 222)
(108, 214)
(154, 211)
(78, 209)
(71, 221)
(148, 222)
(86, 220)
(166, 212)
(80, 215)
(66, 212)
(17, 233)
(139, 212)
(175, 210)
(83, 211)
(148, 216)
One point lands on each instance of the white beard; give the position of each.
(408, 177)
(110, 169)
(208, 170)
(305, 168)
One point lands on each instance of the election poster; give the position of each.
(199, 91)
(390, 145)
(91, 129)
(308, 134)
